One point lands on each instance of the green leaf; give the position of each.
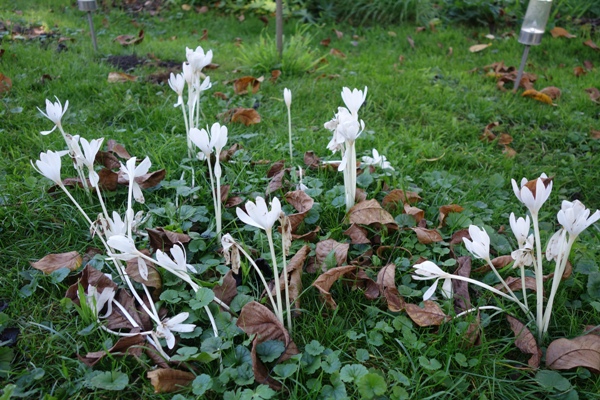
(461, 360)
(586, 266)
(270, 350)
(371, 385)
(593, 285)
(399, 393)
(59, 275)
(429, 364)
(211, 344)
(240, 301)
(331, 363)
(264, 392)
(203, 298)
(110, 380)
(185, 353)
(285, 370)
(6, 357)
(243, 375)
(310, 363)
(352, 335)
(170, 296)
(365, 179)
(362, 354)
(399, 377)
(314, 348)
(552, 380)
(353, 372)
(375, 338)
(201, 384)
(7, 392)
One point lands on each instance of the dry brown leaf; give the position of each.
(276, 168)
(128, 40)
(525, 341)
(299, 200)
(311, 236)
(227, 290)
(578, 71)
(276, 182)
(220, 95)
(256, 319)
(588, 65)
(294, 270)
(420, 29)
(132, 345)
(311, 160)
(154, 279)
(5, 84)
(398, 196)
(90, 276)
(541, 97)
(370, 212)
(241, 18)
(386, 280)
(594, 94)
(202, 10)
(357, 234)
(509, 152)
(591, 44)
(502, 261)
(246, 116)
(479, 47)
(427, 236)
(411, 42)
(595, 134)
(561, 32)
(109, 180)
(168, 380)
(445, 210)
(275, 74)
(369, 286)
(462, 298)
(117, 149)
(164, 240)
(324, 282)
(582, 351)
(119, 77)
(325, 42)
(327, 246)
(53, 262)
(337, 53)
(186, 7)
(338, 34)
(504, 139)
(514, 283)
(241, 85)
(552, 91)
(430, 315)
(414, 212)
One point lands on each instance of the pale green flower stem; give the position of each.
(187, 135)
(289, 112)
(539, 275)
(286, 285)
(508, 289)
(219, 204)
(260, 274)
(279, 311)
(215, 193)
(350, 176)
(559, 270)
(477, 309)
(523, 288)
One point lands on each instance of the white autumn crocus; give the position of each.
(97, 300)
(49, 165)
(188, 73)
(201, 139)
(54, 112)
(218, 140)
(523, 256)
(556, 245)
(428, 270)
(198, 59)
(258, 214)
(520, 228)
(90, 150)
(533, 193)
(378, 160)
(354, 99)
(287, 97)
(205, 85)
(125, 245)
(169, 325)
(179, 261)
(479, 245)
(131, 172)
(177, 83)
(114, 226)
(575, 218)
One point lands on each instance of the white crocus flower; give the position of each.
(520, 228)
(428, 270)
(205, 85)
(258, 214)
(170, 325)
(131, 172)
(188, 73)
(287, 97)
(125, 245)
(177, 83)
(97, 300)
(198, 59)
(575, 218)
(201, 139)
(90, 150)
(523, 256)
(54, 112)
(536, 197)
(378, 160)
(354, 99)
(218, 140)
(115, 226)
(49, 165)
(180, 263)
(479, 246)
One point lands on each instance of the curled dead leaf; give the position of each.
(561, 32)
(53, 262)
(5, 84)
(479, 47)
(242, 85)
(357, 234)
(325, 42)
(337, 53)
(594, 94)
(525, 341)
(541, 97)
(275, 74)
(397, 196)
(414, 212)
(445, 210)
(168, 380)
(119, 77)
(370, 212)
(430, 315)
(462, 298)
(578, 71)
(582, 351)
(589, 43)
(325, 247)
(386, 280)
(246, 116)
(324, 282)
(552, 91)
(427, 236)
(128, 40)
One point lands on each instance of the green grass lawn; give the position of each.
(425, 110)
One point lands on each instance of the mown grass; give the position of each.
(425, 112)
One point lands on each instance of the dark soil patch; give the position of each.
(126, 63)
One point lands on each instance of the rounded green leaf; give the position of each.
(371, 385)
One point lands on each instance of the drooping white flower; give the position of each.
(428, 270)
(179, 261)
(258, 214)
(533, 193)
(97, 300)
(174, 324)
(130, 172)
(354, 99)
(575, 218)
(218, 139)
(90, 150)
(49, 165)
(479, 246)
(231, 253)
(287, 97)
(556, 245)
(378, 160)
(125, 245)
(177, 83)
(54, 112)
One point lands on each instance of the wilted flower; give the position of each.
(258, 214)
(533, 193)
(354, 99)
(378, 159)
(54, 112)
(479, 246)
(130, 172)
(180, 263)
(287, 97)
(428, 270)
(125, 245)
(49, 165)
(231, 252)
(575, 218)
(524, 254)
(97, 300)
(170, 325)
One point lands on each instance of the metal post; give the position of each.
(521, 68)
(89, 6)
(91, 21)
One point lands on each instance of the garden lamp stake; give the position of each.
(89, 6)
